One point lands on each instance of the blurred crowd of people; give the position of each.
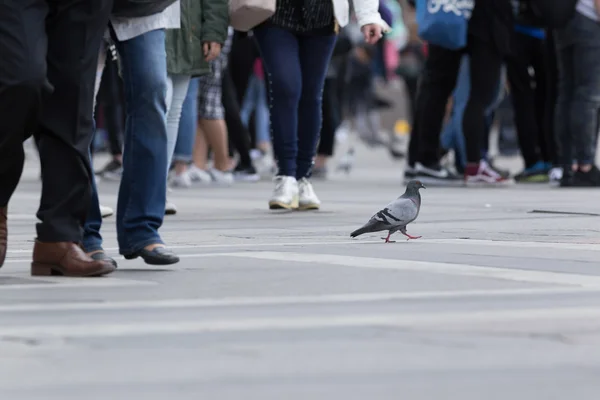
(181, 98)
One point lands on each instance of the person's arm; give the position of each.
(215, 22)
(369, 20)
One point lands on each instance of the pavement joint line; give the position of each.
(342, 298)
(66, 282)
(510, 274)
(447, 321)
(498, 243)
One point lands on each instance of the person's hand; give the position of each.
(211, 50)
(372, 33)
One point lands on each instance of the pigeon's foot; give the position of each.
(387, 240)
(411, 237)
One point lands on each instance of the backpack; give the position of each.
(139, 8)
(554, 14)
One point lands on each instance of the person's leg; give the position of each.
(437, 82)
(315, 54)
(280, 54)
(22, 77)
(327, 138)
(179, 87)
(586, 99)
(565, 87)
(110, 96)
(75, 34)
(456, 140)
(523, 98)
(182, 154)
(92, 239)
(250, 98)
(485, 65)
(261, 119)
(237, 130)
(142, 194)
(551, 79)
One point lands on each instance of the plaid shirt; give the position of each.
(304, 15)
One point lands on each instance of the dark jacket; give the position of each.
(492, 21)
(201, 21)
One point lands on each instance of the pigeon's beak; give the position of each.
(423, 186)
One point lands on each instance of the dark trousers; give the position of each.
(238, 134)
(331, 118)
(533, 112)
(550, 151)
(296, 66)
(435, 87)
(578, 52)
(57, 42)
(243, 54)
(112, 100)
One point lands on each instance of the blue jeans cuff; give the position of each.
(140, 245)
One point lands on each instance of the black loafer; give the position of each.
(101, 256)
(157, 256)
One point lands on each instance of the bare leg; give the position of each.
(200, 152)
(216, 137)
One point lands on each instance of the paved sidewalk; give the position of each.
(495, 302)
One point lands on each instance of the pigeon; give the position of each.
(396, 215)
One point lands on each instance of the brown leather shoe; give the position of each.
(3, 233)
(67, 259)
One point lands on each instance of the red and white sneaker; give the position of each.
(483, 174)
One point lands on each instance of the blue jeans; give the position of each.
(187, 124)
(452, 135)
(576, 119)
(256, 100)
(142, 195)
(296, 66)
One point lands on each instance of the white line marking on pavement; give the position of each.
(443, 320)
(518, 244)
(284, 300)
(226, 246)
(468, 242)
(519, 275)
(63, 282)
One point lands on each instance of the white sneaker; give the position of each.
(106, 211)
(555, 175)
(221, 177)
(199, 175)
(285, 195)
(170, 208)
(181, 181)
(308, 199)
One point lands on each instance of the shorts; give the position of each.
(210, 103)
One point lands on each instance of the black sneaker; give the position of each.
(590, 178)
(245, 174)
(111, 171)
(436, 175)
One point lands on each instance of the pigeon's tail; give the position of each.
(360, 231)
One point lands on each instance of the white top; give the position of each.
(588, 8)
(367, 12)
(128, 28)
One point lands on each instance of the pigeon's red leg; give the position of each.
(410, 237)
(387, 239)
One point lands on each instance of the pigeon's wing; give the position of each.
(399, 212)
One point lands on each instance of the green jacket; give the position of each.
(201, 21)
